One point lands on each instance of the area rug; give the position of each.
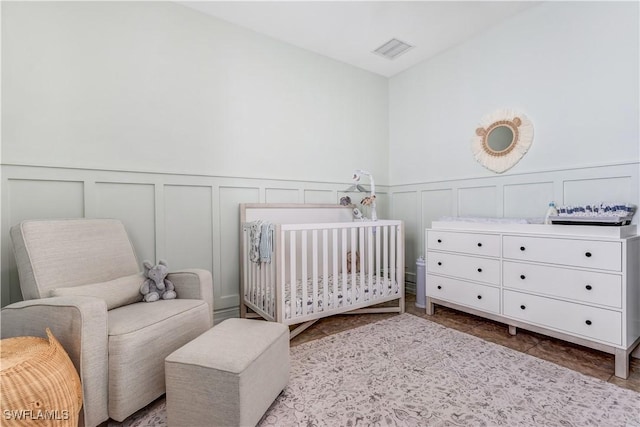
(409, 371)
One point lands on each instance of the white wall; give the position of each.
(158, 87)
(167, 119)
(571, 67)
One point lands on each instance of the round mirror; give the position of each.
(502, 139)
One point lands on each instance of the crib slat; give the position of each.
(260, 286)
(252, 281)
(370, 260)
(273, 284)
(401, 265)
(334, 241)
(303, 250)
(314, 253)
(385, 254)
(392, 255)
(354, 251)
(325, 265)
(263, 286)
(280, 274)
(292, 273)
(247, 266)
(377, 270)
(343, 257)
(245, 271)
(362, 248)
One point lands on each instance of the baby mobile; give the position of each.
(369, 201)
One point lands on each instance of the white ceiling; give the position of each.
(349, 31)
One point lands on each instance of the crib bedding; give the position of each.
(354, 293)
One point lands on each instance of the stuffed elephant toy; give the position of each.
(157, 286)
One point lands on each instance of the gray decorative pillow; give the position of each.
(116, 293)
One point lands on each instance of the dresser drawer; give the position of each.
(580, 253)
(589, 322)
(469, 243)
(485, 270)
(485, 298)
(578, 285)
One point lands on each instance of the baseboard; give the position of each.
(224, 314)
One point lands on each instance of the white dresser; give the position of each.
(576, 283)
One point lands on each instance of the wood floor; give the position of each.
(584, 360)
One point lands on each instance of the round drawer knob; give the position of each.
(479, 296)
(439, 240)
(588, 287)
(522, 276)
(479, 270)
(522, 248)
(439, 263)
(588, 322)
(479, 245)
(439, 287)
(522, 307)
(587, 254)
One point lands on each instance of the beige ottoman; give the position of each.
(229, 375)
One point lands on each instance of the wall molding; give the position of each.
(153, 206)
(511, 174)
(210, 203)
(195, 174)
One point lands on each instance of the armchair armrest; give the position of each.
(194, 284)
(80, 324)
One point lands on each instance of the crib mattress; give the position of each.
(352, 294)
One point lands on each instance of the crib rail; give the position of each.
(322, 269)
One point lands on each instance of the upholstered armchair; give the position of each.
(81, 279)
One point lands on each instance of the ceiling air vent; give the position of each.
(392, 49)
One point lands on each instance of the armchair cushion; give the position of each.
(116, 293)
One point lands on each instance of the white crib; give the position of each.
(309, 276)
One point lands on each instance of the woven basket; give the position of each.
(39, 385)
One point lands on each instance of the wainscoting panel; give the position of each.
(229, 214)
(595, 190)
(527, 200)
(32, 199)
(435, 205)
(477, 201)
(405, 207)
(188, 219)
(320, 196)
(134, 205)
(383, 204)
(35, 199)
(282, 195)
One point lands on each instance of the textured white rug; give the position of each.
(408, 371)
